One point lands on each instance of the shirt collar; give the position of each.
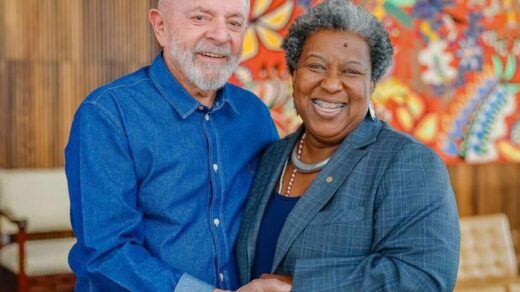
(177, 96)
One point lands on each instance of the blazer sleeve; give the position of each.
(416, 234)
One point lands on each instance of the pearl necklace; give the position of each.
(299, 166)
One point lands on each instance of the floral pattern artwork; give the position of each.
(454, 83)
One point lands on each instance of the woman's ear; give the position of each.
(159, 26)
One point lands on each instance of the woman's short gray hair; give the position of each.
(340, 15)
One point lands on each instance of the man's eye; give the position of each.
(235, 25)
(200, 18)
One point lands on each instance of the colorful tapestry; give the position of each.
(453, 85)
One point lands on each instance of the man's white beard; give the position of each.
(205, 76)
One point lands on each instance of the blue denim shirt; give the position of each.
(158, 181)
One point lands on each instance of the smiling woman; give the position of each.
(346, 203)
(332, 86)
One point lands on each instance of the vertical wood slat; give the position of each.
(4, 108)
(3, 88)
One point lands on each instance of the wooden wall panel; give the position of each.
(487, 189)
(52, 54)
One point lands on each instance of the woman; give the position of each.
(347, 203)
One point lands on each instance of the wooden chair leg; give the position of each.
(23, 283)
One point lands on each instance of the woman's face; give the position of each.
(332, 84)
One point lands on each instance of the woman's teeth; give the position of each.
(328, 105)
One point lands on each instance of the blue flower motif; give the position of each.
(470, 54)
(305, 3)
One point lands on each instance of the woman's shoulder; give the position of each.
(390, 136)
(404, 145)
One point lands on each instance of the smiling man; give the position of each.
(159, 162)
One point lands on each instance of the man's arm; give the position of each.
(105, 214)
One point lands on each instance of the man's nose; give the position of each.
(219, 32)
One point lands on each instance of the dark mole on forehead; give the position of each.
(345, 45)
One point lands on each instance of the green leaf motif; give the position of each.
(398, 14)
(402, 3)
(510, 67)
(512, 88)
(497, 66)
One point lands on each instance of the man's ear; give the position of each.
(159, 26)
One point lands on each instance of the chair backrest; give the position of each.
(39, 195)
(487, 249)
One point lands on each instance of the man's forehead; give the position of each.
(206, 4)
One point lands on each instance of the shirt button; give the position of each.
(215, 167)
(201, 108)
(206, 117)
(221, 277)
(329, 179)
(216, 222)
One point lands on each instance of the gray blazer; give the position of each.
(380, 216)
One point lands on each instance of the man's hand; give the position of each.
(284, 278)
(267, 283)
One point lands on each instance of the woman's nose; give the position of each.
(331, 83)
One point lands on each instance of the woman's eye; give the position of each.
(316, 67)
(351, 72)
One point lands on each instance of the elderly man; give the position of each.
(159, 162)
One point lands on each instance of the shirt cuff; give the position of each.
(188, 283)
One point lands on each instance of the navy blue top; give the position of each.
(158, 181)
(276, 212)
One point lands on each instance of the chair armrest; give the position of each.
(20, 222)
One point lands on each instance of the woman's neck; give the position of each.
(315, 150)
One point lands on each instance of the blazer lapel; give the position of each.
(325, 185)
(266, 183)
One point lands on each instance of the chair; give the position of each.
(487, 256)
(35, 232)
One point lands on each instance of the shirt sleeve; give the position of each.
(110, 252)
